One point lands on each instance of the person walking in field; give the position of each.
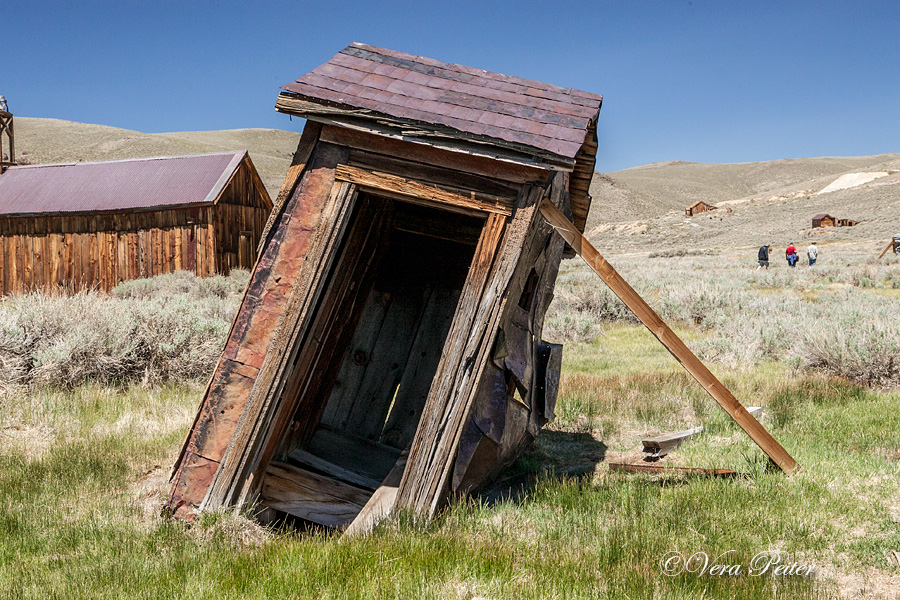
(791, 254)
(812, 253)
(763, 257)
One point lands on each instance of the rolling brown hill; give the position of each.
(642, 208)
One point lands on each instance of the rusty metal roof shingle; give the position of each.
(134, 184)
(473, 101)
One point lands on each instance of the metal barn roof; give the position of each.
(134, 184)
(488, 106)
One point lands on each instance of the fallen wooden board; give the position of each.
(638, 468)
(667, 337)
(661, 445)
(888, 247)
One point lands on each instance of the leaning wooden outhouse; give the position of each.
(388, 351)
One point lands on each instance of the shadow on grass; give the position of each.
(558, 454)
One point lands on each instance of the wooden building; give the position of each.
(698, 207)
(92, 225)
(823, 220)
(388, 349)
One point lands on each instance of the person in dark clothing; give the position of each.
(763, 257)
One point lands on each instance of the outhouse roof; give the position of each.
(523, 114)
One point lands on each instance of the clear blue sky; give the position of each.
(726, 81)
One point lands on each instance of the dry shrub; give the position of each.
(167, 328)
(861, 341)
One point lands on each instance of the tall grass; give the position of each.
(838, 319)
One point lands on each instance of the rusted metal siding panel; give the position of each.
(253, 330)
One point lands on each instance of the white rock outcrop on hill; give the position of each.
(849, 180)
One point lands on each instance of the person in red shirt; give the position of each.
(791, 254)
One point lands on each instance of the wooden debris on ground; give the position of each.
(661, 445)
(665, 470)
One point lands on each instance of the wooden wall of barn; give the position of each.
(99, 250)
(239, 219)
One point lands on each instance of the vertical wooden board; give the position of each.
(4, 259)
(112, 257)
(356, 361)
(120, 238)
(91, 276)
(211, 250)
(67, 261)
(52, 250)
(15, 264)
(143, 252)
(172, 235)
(178, 248)
(201, 249)
(369, 411)
(418, 373)
(28, 272)
(37, 273)
(102, 263)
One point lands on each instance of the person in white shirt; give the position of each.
(812, 253)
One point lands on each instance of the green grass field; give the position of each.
(83, 474)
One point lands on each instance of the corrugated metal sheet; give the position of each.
(136, 184)
(474, 101)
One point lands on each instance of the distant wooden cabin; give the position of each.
(91, 225)
(698, 207)
(388, 349)
(823, 220)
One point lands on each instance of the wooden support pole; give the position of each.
(667, 337)
(888, 247)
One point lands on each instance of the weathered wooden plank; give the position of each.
(316, 498)
(306, 459)
(381, 503)
(305, 146)
(459, 161)
(333, 208)
(424, 357)
(423, 480)
(667, 337)
(387, 184)
(659, 469)
(354, 453)
(356, 361)
(435, 175)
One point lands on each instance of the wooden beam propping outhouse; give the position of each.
(388, 353)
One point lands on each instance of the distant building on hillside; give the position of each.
(91, 225)
(823, 220)
(698, 207)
